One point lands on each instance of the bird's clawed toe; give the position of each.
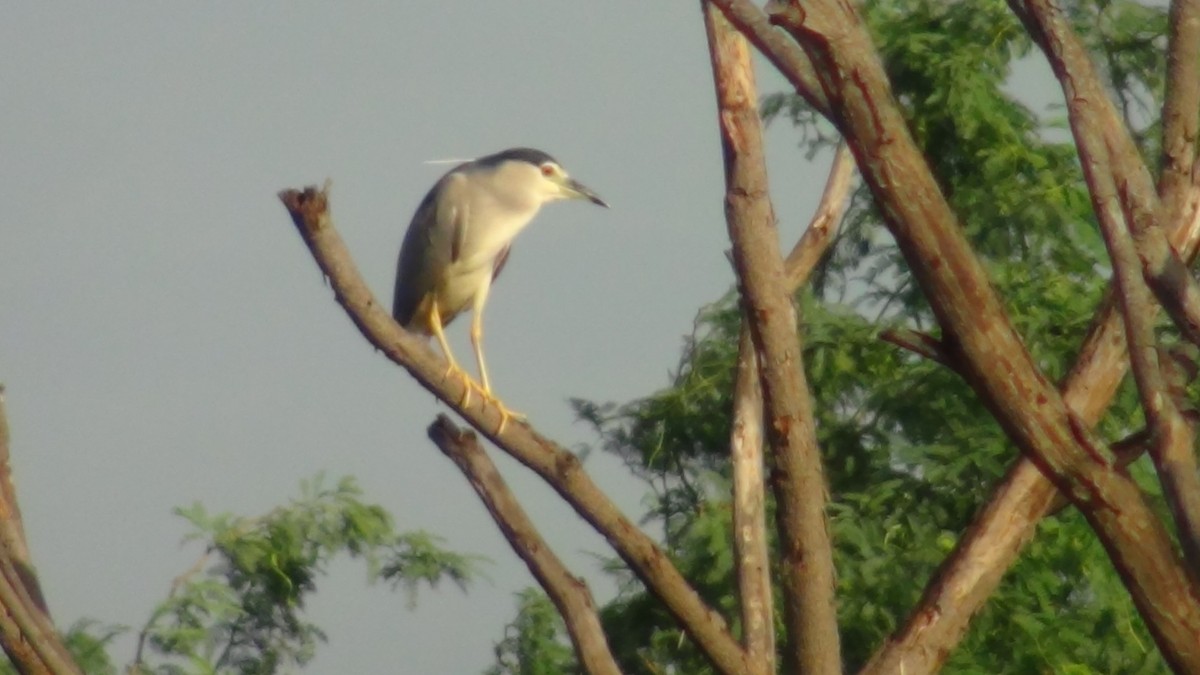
(506, 415)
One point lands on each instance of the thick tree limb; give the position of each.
(1172, 435)
(27, 635)
(1093, 114)
(1120, 188)
(806, 569)
(569, 593)
(1006, 523)
(12, 530)
(558, 467)
(778, 48)
(1181, 107)
(978, 331)
(749, 538)
(971, 573)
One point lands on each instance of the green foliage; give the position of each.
(240, 609)
(88, 643)
(535, 642)
(910, 453)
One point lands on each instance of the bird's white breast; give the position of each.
(492, 218)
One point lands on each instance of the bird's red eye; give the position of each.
(547, 170)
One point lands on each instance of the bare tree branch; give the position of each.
(749, 538)
(1110, 163)
(1172, 435)
(921, 344)
(797, 478)
(812, 245)
(27, 635)
(557, 466)
(1006, 523)
(569, 593)
(751, 552)
(1092, 111)
(778, 48)
(1181, 107)
(978, 331)
(12, 530)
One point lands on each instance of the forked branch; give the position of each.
(558, 467)
(978, 329)
(569, 593)
(1006, 523)
(797, 477)
(1092, 113)
(749, 538)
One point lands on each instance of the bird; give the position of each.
(458, 242)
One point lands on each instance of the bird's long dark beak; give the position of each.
(581, 191)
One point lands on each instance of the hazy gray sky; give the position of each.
(165, 338)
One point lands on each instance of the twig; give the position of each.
(750, 546)
(797, 477)
(569, 593)
(921, 344)
(558, 467)
(176, 584)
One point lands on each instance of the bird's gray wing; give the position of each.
(429, 247)
(501, 259)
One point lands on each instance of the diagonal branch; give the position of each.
(569, 593)
(12, 530)
(806, 569)
(558, 467)
(778, 48)
(1120, 187)
(1172, 435)
(921, 344)
(26, 633)
(977, 329)
(835, 199)
(972, 571)
(1093, 113)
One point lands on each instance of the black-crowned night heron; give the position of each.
(459, 239)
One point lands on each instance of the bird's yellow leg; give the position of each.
(435, 325)
(477, 343)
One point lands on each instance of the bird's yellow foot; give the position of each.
(468, 382)
(505, 413)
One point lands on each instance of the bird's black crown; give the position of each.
(528, 155)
